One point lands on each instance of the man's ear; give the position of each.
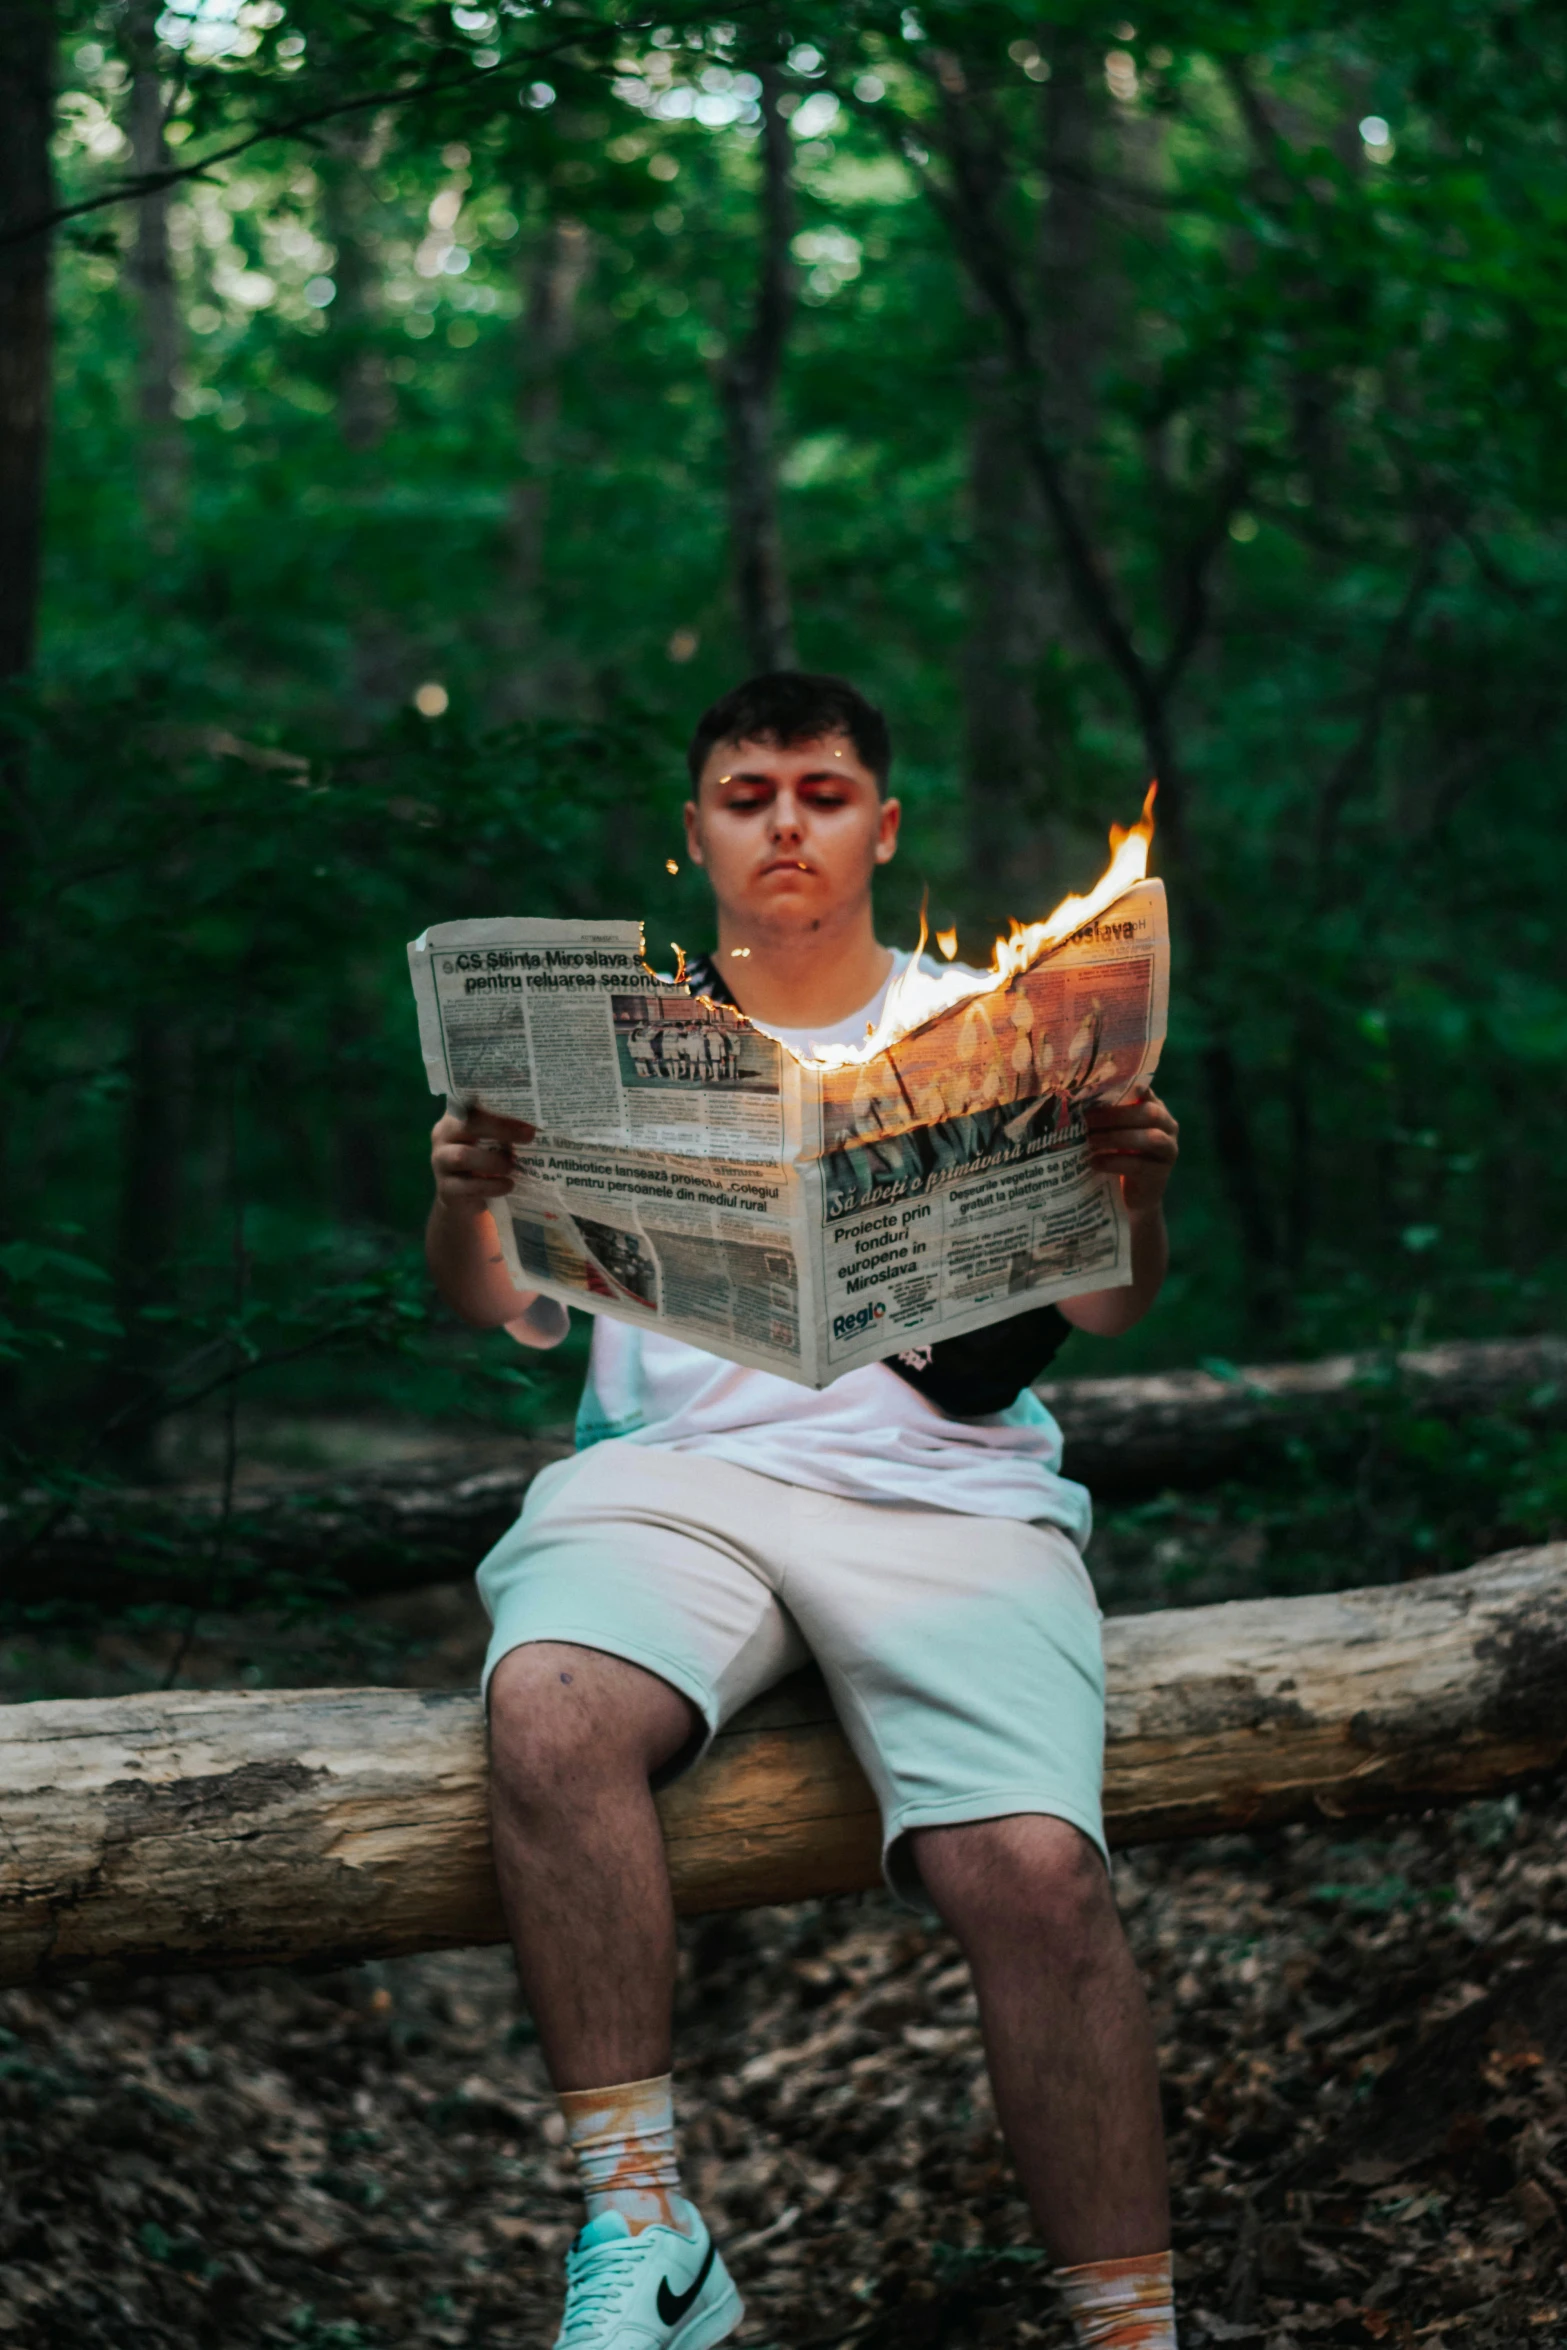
(887, 831)
(693, 837)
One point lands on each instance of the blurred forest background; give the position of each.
(413, 415)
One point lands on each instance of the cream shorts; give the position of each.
(962, 1654)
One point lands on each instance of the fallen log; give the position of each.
(236, 1828)
(390, 1530)
(370, 1532)
(1130, 1437)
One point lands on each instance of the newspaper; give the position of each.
(692, 1174)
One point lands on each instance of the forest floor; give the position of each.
(1363, 2039)
(1364, 2046)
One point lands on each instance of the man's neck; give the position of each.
(802, 979)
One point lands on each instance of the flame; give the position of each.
(947, 940)
(670, 866)
(917, 995)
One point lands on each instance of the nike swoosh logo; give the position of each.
(673, 2306)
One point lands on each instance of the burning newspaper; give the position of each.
(694, 1175)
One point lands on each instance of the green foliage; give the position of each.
(1381, 1493)
(256, 912)
(1318, 454)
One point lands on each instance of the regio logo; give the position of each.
(850, 1325)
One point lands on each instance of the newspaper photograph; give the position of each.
(692, 1173)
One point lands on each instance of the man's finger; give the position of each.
(1135, 1138)
(504, 1129)
(476, 1158)
(1144, 1113)
(489, 1159)
(1127, 1153)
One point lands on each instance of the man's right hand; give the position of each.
(470, 1158)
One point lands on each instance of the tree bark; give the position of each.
(333, 1825)
(162, 467)
(1013, 617)
(554, 282)
(749, 385)
(151, 1152)
(366, 405)
(1125, 1438)
(152, 1158)
(27, 50)
(1020, 604)
(28, 35)
(1072, 292)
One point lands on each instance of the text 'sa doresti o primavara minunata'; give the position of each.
(692, 1173)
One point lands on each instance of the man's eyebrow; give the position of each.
(811, 775)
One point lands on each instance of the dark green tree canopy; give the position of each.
(446, 403)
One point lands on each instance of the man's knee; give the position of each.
(565, 1721)
(1027, 1876)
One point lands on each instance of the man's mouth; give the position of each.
(788, 865)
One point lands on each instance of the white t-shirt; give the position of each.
(870, 1436)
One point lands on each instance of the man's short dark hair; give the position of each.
(787, 706)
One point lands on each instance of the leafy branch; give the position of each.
(437, 84)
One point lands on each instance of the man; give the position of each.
(717, 1046)
(715, 1527)
(639, 1048)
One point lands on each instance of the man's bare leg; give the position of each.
(574, 1735)
(1067, 2033)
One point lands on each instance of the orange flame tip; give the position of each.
(1144, 824)
(947, 940)
(919, 944)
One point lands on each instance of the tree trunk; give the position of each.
(151, 1152)
(28, 35)
(1013, 617)
(366, 405)
(749, 384)
(326, 1826)
(162, 450)
(1073, 307)
(152, 1156)
(554, 282)
(554, 278)
(1020, 603)
(27, 51)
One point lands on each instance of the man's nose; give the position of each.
(788, 823)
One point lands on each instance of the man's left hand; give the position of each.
(1140, 1142)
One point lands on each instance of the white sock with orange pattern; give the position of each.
(624, 2142)
(1121, 2304)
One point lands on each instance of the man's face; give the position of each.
(789, 835)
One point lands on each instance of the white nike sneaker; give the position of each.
(656, 2290)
